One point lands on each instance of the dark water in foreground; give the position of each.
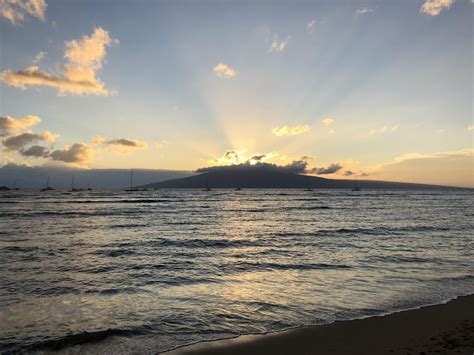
(148, 271)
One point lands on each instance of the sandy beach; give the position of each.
(438, 329)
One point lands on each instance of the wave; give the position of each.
(74, 339)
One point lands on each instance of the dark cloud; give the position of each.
(355, 174)
(20, 141)
(129, 143)
(76, 153)
(296, 167)
(35, 151)
(331, 169)
(257, 157)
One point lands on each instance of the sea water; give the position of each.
(143, 272)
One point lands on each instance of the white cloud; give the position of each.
(328, 121)
(310, 26)
(78, 76)
(434, 7)
(290, 131)
(224, 71)
(364, 11)
(384, 129)
(279, 45)
(15, 11)
(9, 125)
(39, 57)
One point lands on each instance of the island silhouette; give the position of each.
(246, 178)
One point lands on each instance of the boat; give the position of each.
(131, 189)
(238, 189)
(356, 186)
(207, 183)
(73, 189)
(47, 188)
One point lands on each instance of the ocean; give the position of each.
(144, 272)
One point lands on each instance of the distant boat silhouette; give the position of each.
(131, 189)
(14, 186)
(238, 189)
(73, 189)
(47, 188)
(356, 186)
(207, 183)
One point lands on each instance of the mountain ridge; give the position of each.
(262, 179)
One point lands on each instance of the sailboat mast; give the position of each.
(72, 182)
(131, 179)
(47, 182)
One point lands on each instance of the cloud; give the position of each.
(78, 76)
(35, 151)
(224, 71)
(434, 7)
(290, 131)
(97, 140)
(328, 121)
(9, 125)
(295, 167)
(78, 153)
(310, 26)
(39, 57)
(364, 11)
(384, 129)
(20, 141)
(127, 143)
(331, 169)
(355, 174)
(471, 127)
(15, 11)
(453, 168)
(279, 45)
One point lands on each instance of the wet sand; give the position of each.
(439, 329)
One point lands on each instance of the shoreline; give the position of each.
(442, 328)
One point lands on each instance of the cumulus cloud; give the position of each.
(290, 131)
(328, 121)
(295, 167)
(20, 141)
(9, 125)
(97, 140)
(78, 76)
(15, 11)
(78, 153)
(384, 129)
(310, 26)
(434, 7)
(224, 71)
(279, 45)
(364, 11)
(331, 169)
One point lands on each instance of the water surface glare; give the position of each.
(148, 271)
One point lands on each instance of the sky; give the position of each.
(377, 90)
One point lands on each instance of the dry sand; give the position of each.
(440, 329)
